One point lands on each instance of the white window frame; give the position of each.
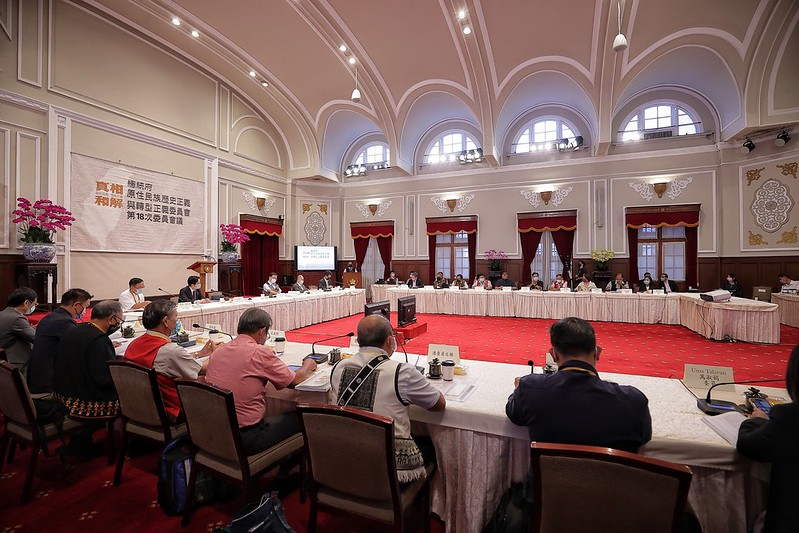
(467, 143)
(635, 132)
(363, 157)
(546, 144)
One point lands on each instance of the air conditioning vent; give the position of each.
(657, 134)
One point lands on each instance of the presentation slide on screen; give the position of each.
(316, 257)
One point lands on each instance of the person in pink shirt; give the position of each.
(246, 366)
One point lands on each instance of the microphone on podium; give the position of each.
(716, 407)
(212, 330)
(320, 357)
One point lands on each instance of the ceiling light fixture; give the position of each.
(176, 21)
(356, 94)
(461, 14)
(253, 73)
(620, 42)
(782, 138)
(351, 60)
(355, 170)
(195, 33)
(343, 48)
(467, 30)
(265, 83)
(747, 146)
(578, 142)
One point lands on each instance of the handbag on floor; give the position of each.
(513, 513)
(266, 516)
(173, 478)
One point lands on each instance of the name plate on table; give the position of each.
(354, 343)
(182, 306)
(596, 291)
(505, 288)
(565, 289)
(218, 327)
(444, 352)
(626, 291)
(525, 289)
(275, 333)
(238, 299)
(704, 377)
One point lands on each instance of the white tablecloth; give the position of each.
(789, 308)
(480, 451)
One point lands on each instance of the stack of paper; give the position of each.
(726, 425)
(319, 382)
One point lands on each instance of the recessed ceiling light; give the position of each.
(467, 30)
(195, 33)
(176, 21)
(352, 60)
(462, 14)
(343, 48)
(253, 73)
(265, 83)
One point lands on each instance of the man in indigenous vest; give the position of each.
(171, 361)
(388, 390)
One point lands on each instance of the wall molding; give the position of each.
(39, 44)
(6, 175)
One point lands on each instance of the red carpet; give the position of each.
(643, 349)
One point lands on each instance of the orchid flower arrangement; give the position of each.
(495, 256)
(232, 234)
(38, 221)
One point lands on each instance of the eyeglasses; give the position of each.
(120, 319)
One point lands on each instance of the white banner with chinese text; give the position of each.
(125, 209)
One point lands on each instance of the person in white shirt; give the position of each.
(586, 284)
(617, 284)
(788, 284)
(271, 287)
(133, 298)
(558, 283)
(482, 281)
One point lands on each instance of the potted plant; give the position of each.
(38, 221)
(496, 258)
(602, 258)
(232, 234)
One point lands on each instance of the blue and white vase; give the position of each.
(38, 252)
(229, 257)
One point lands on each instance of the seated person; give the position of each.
(558, 283)
(327, 283)
(392, 279)
(246, 367)
(666, 284)
(390, 391)
(49, 332)
(646, 284)
(133, 298)
(580, 269)
(299, 285)
(16, 332)
(505, 281)
(482, 282)
(191, 292)
(460, 282)
(585, 284)
(440, 282)
(350, 268)
(170, 360)
(82, 380)
(271, 287)
(617, 284)
(536, 284)
(732, 285)
(788, 285)
(774, 439)
(414, 282)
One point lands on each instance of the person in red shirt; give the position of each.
(246, 366)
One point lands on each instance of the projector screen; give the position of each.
(314, 258)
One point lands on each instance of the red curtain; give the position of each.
(252, 227)
(657, 219)
(443, 228)
(632, 239)
(259, 257)
(384, 245)
(472, 247)
(431, 244)
(564, 243)
(691, 256)
(361, 245)
(530, 241)
(553, 224)
(446, 227)
(376, 231)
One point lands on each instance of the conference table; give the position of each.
(739, 318)
(789, 308)
(288, 310)
(480, 452)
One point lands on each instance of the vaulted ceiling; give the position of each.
(417, 69)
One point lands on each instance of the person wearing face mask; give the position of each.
(732, 285)
(666, 284)
(388, 389)
(585, 284)
(440, 281)
(246, 367)
(505, 281)
(646, 284)
(82, 381)
(48, 334)
(414, 282)
(537, 284)
(170, 360)
(482, 281)
(460, 282)
(350, 267)
(617, 284)
(271, 287)
(133, 298)
(300, 284)
(192, 292)
(392, 278)
(16, 333)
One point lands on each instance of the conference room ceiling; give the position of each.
(417, 68)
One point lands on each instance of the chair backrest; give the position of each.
(589, 488)
(3, 356)
(139, 395)
(15, 398)
(351, 451)
(211, 420)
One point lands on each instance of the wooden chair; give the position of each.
(141, 407)
(20, 422)
(588, 488)
(352, 467)
(214, 432)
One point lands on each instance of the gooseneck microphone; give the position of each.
(717, 407)
(167, 293)
(212, 330)
(321, 358)
(532, 365)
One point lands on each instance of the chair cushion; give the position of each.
(258, 463)
(50, 431)
(155, 433)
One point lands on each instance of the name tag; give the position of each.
(444, 352)
(704, 377)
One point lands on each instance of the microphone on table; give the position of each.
(168, 293)
(717, 407)
(212, 330)
(322, 357)
(532, 365)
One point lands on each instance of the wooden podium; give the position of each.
(348, 277)
(202, 268)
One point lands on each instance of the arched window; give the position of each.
(445, 148)
(544, 134)
(661, 120)
(372, 154)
